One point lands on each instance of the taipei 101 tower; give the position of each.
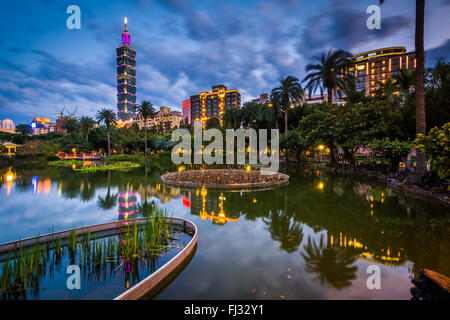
(126, 78)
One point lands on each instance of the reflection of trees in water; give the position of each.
(332, 264)
(87, 190)
(417, 229)
(145, 208)
(109, 201)
(284, 230)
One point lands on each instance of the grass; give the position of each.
(127, 157)
(122, 165)
(78, 165)
(24, 268)
(65, 163)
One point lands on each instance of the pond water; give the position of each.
(311, 239)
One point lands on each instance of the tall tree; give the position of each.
(289, 92)
(420, 76)
(145, 111)
(329, 73)
(71, 125)
(86, 125)
(232, 118)
(275, 99)
(23, 129)
(108, 117)
(405, 80)
(251, 114)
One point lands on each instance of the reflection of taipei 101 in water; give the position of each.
(126, 78)
(128, 204)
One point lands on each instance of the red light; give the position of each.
(186, 202)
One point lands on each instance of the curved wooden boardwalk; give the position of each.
(153, 282)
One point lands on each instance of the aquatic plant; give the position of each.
(129, 246)
(122, 165)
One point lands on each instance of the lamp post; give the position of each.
(321, 147)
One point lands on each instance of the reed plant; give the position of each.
(22, 270)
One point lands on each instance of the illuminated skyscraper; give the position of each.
(126, 78)
(213, 104)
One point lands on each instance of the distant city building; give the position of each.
(186, 107)
(263, 99)
(126, 78)
(213, 104)
(41, 125)
(7, 125)
(376, 66)
(165, 117)
(317, 98)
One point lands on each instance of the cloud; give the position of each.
(443, 51)
(340, 26)
(184, 47)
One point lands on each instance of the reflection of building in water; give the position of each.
(377, 255)
(163, 193)
(39, 186)
(209, 208)
(128, 205)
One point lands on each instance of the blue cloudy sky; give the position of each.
(185, 46)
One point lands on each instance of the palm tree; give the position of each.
(275, 99)
(23, 129)
(232, 117)
(405, 80)
(388, 89)
(108, 117)
(290, 91)
(327, 74)
(251, 114)
(145, 110)
(332, 264)
(71, 125)
(420, 76)
(284, 230)
(109, 201)
(86, 125)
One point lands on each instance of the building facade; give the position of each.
(264, 98)
(207, 105)
(41, 125)
(7, 125)
(317, 98)
(186, 107)
(376, 66)
(126, 78)
(164, 117)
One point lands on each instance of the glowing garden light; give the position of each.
(321, 147)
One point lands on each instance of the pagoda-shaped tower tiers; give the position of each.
(126, 78)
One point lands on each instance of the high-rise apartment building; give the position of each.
(376, 66)
(186, 107)
(164, 117)
(207, 105)
(263, 99)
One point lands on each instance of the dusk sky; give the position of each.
(185, 46)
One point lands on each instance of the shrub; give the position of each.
(126, 157)
(436, 144)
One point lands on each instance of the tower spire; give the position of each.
(125, 35)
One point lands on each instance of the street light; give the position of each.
(321, 147)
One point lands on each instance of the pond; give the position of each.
(311, 239)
